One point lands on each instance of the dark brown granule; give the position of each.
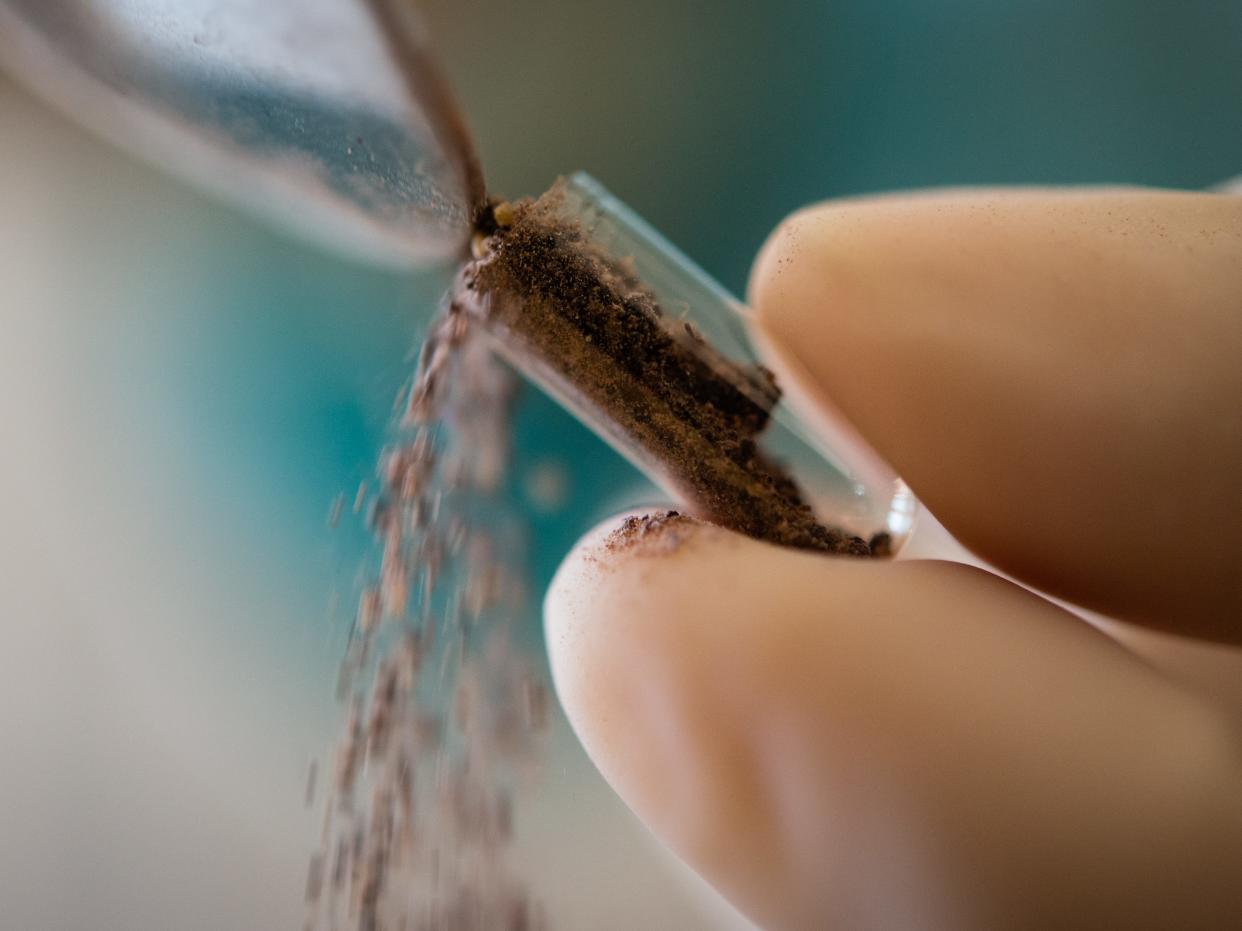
(584, 326)
(881, 544)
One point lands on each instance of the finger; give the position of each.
(1055, 373)
(835, 743)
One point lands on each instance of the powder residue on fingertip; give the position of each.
(657, 534)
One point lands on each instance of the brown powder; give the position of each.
(660, 534)
(446, 715)
(582, 323)
(881, 544)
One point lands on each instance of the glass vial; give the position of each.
(600, 310)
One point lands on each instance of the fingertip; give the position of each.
(767, 712)
(1053, 372)
(600, 581)
(776, 290)
(612, 612)
(622, 632)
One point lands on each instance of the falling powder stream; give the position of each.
(446, 716)
(445, 713)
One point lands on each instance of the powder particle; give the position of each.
(312, 778)
(547, 486)
(334, 513)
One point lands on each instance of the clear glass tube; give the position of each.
(846, 483)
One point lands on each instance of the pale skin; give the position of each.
(923, 744)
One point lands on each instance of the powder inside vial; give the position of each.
(585, 326)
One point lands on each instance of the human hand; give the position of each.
(919, 743)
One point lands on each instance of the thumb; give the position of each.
(889, 744)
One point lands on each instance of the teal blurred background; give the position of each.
(183, 392)
(714, 120)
